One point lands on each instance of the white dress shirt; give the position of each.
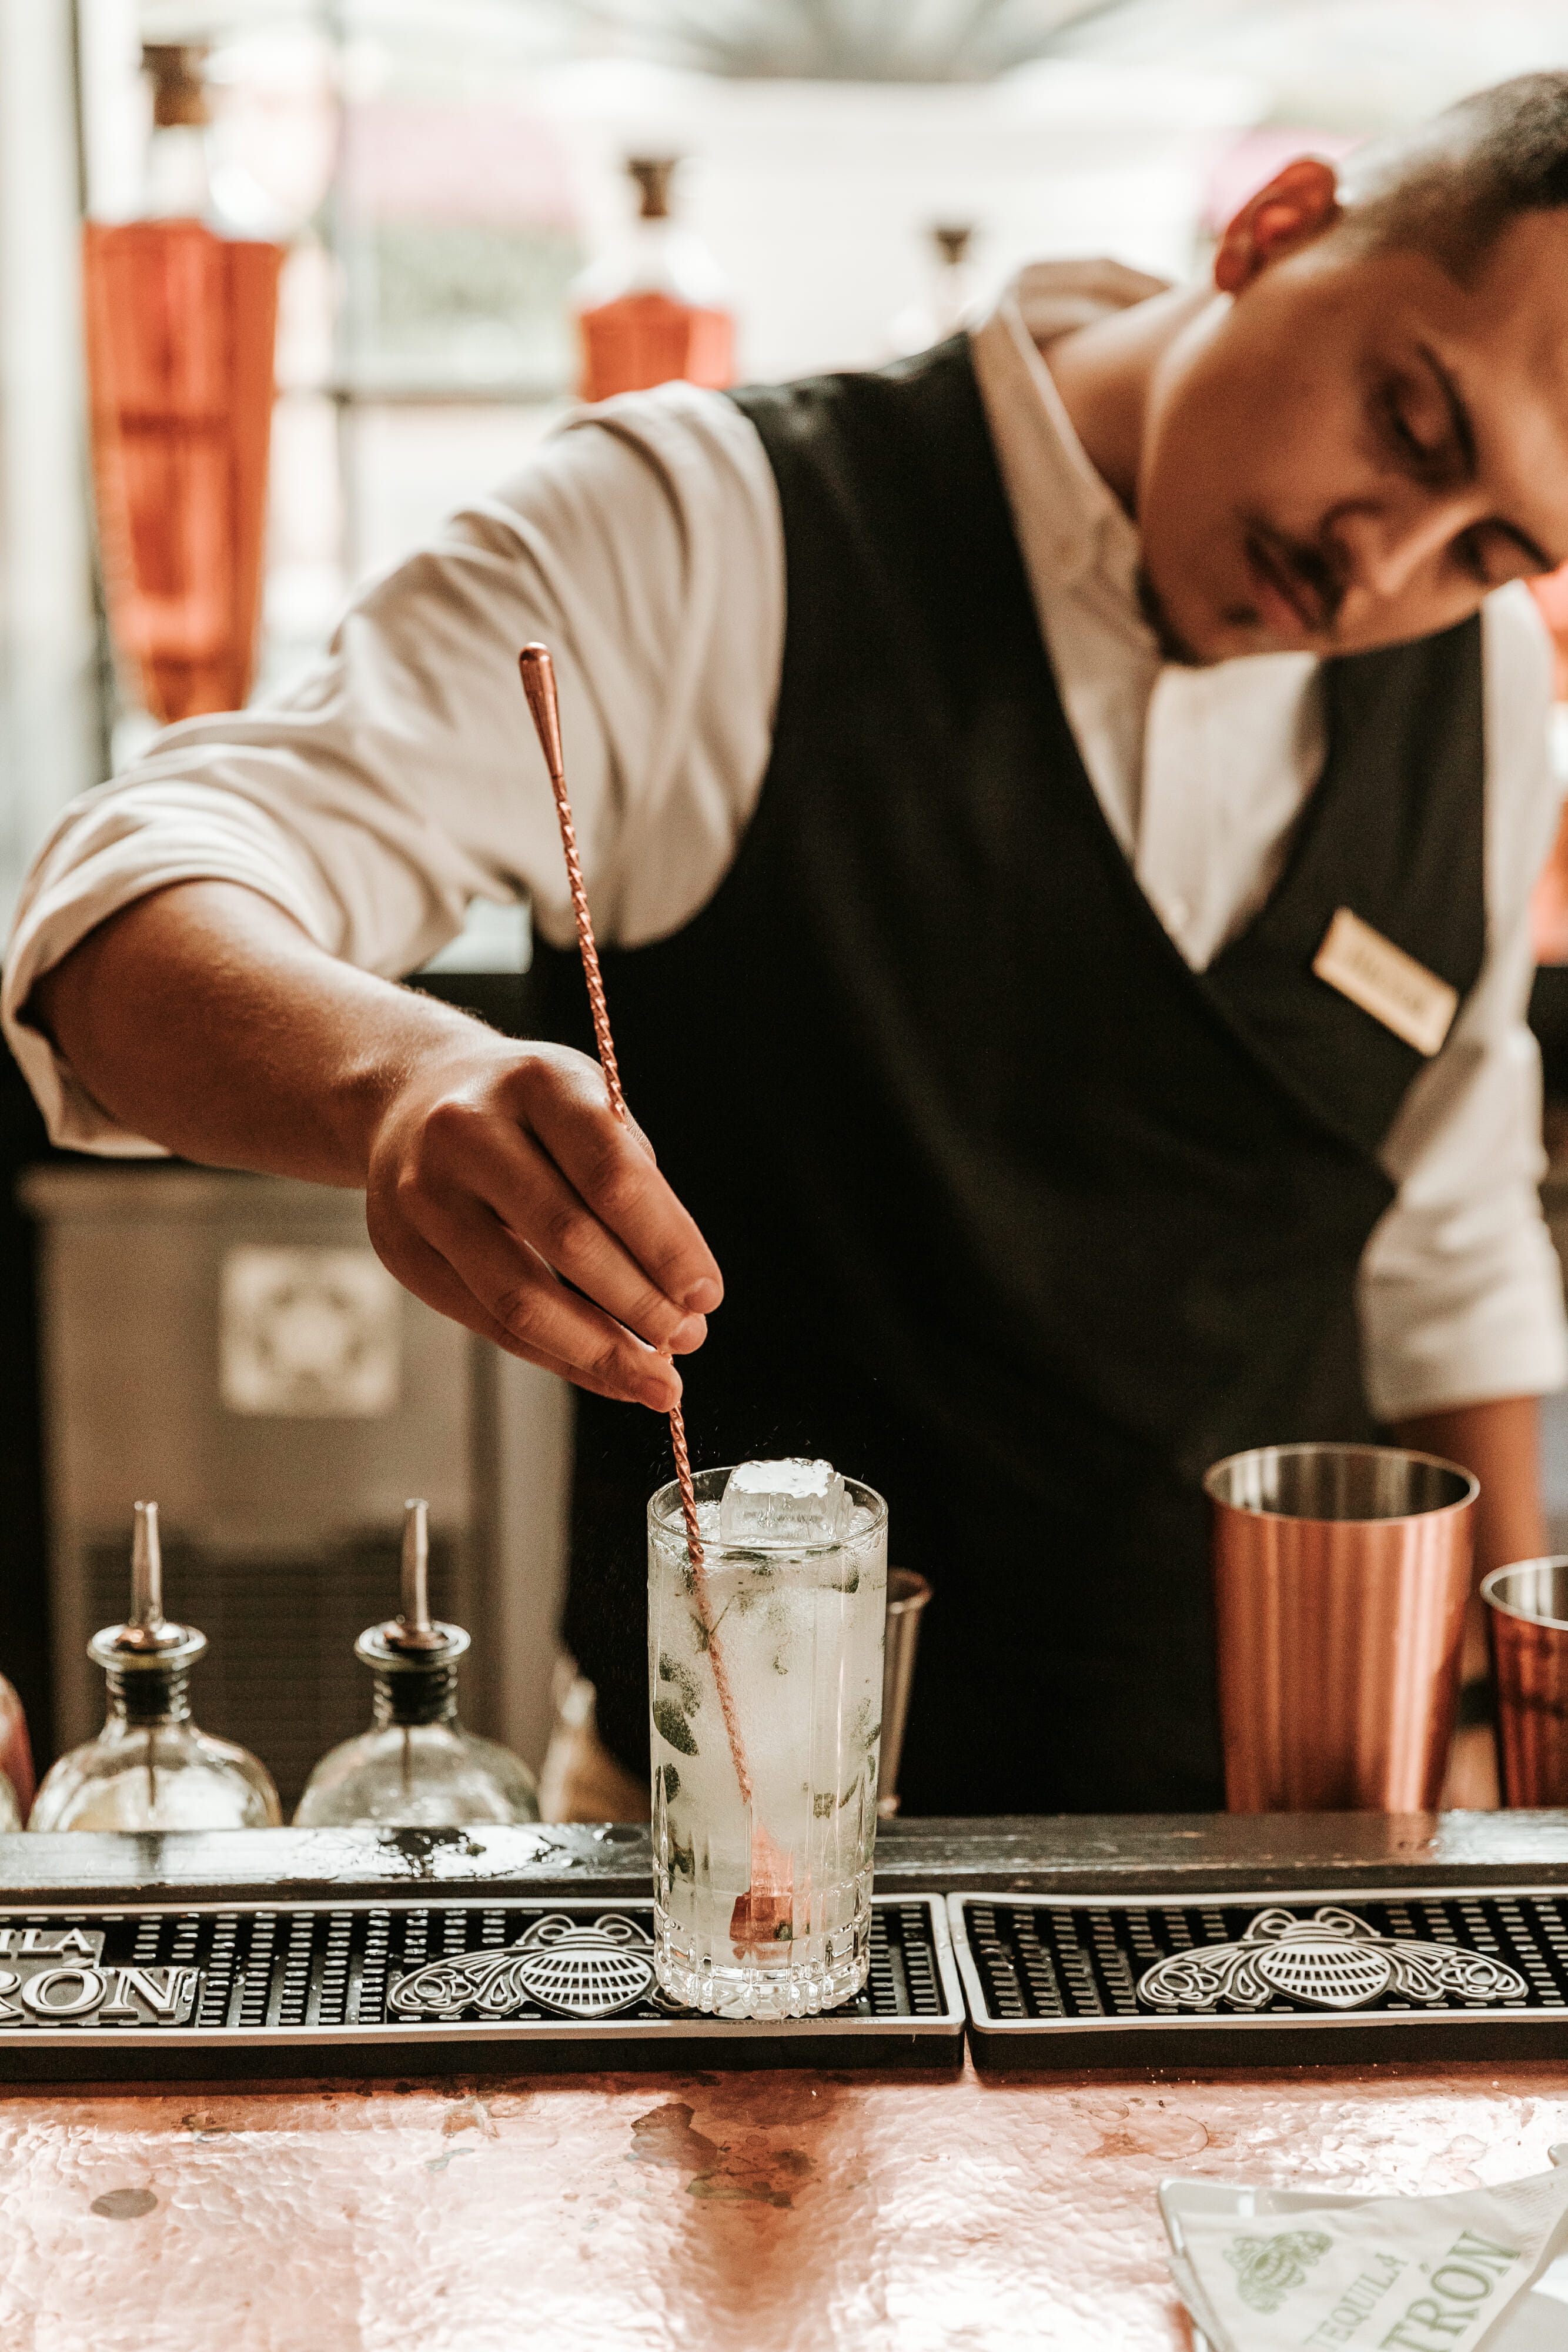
(400, 780)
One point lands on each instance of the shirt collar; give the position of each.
(1040, 451)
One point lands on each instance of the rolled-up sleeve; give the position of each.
(400, 778)
(168, 822)
(1461, 1297)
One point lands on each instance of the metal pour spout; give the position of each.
(146, 1572)
(413, 1652)
(414, 1630)
(146, 1630)
(147, 1640)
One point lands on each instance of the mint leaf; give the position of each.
(671, 1671)
(673, 1728)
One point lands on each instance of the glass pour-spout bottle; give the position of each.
(658, 310)
(151, 1768)
(416, 1767)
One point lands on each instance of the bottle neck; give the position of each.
(415, 1695)
(660, 257)
(140, 1697)
(178, 181)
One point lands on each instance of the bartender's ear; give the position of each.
(1298, 204)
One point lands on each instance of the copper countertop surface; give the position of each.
(765, 2211)
(907, 2213)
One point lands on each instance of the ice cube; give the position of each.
(792, 1502)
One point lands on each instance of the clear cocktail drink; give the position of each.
(763, 1907)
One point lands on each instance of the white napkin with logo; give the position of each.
(1399, 2273)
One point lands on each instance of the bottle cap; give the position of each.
(952, 242)
(147, 1639)
(179, 87)
(653, 174)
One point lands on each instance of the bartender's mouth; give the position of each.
(1294, 589)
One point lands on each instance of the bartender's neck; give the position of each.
(1105, 371)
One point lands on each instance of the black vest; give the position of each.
(1020, 1220)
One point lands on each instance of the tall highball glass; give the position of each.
(764, 1909)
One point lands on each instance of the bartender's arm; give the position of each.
(1499, 1441)
(203, 955)
(204, 1016)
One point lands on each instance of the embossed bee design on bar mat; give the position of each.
(253, 1987)
(569, 1966)
(1349, 1974)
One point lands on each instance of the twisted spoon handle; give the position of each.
(538, 684)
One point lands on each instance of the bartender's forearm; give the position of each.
(1500, 1443)
(203, 1018)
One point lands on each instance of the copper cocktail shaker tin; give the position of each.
(1527, 1617)
(1341, 1576)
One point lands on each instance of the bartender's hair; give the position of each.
(1452, 186)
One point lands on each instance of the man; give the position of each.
(970, 762)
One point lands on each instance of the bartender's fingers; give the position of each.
(517, 1288)
(498, 1170)
(607, 1165)
(600, 1354)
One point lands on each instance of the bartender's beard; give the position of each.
(1173, 646)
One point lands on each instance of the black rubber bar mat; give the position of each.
(1405, 1974)
(259, 1987)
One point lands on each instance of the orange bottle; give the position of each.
(658, 310)
(180, 325)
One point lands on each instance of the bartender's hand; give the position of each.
(495, 1173)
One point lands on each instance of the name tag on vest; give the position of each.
(1386, 982)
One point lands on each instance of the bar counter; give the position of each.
(770, 2210)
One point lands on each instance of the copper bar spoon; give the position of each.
(768, 1903)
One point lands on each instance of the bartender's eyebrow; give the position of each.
(1464, 434)
(1459, 423)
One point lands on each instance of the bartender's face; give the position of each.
(1354, 446)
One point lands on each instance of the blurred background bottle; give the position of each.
(16, 1760)
(151, 1768)
(950, 293)
(181, 311)
(416, 1767)
(658, 310)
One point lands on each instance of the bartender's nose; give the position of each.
(1388, 543)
